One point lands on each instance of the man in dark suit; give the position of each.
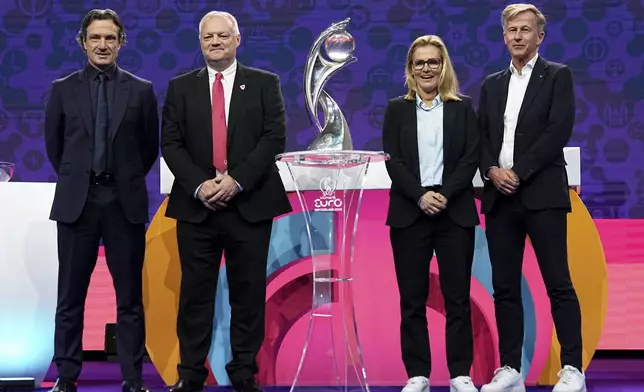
(222, 127)
(102, 138)
(526, 117)
(432, 138)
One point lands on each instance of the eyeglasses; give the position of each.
(431, 63)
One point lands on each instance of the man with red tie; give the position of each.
(222, 126)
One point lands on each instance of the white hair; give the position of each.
(223, 14)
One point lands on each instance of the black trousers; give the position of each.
(413, 248)
(506, 228)
(246, 250)
(78, 245)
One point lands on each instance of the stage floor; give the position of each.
(603, 376)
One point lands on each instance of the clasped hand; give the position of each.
(216, 193)
(432, 203)
(505, 180)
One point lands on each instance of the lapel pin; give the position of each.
(243, 87)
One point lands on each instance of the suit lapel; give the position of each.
(237, 99)
(449, 118)
(84, 101)
(119, 102)
(202, 99)
(410, 123)
(504, 81)
(536, 80)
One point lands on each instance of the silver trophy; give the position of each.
(339, 46)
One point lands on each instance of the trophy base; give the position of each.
(329, 142)
(332, 332)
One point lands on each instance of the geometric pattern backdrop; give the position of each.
(601, 40)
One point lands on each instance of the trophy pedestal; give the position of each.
(332, 325)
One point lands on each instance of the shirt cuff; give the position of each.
(196, 194)
(485, 177)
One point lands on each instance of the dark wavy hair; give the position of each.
(98, 14)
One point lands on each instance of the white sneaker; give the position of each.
(570, 380)
(505, 379)
(462, 384)
(417, 384)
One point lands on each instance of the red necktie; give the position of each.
(219, 159)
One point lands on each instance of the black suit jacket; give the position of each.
(256, 134)
(460, 161)
(134, 135)
(544, 127)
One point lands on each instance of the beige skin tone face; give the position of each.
(522, 37)
(102, 43)
(219, 42)
(428, 77)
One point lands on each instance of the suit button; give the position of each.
(87, 172)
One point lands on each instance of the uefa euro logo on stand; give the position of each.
(328, 201)
(338, 171)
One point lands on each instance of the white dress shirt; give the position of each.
(516, 92)
(227, 81)
(429, 120)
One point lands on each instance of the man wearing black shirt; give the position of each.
(102, 138)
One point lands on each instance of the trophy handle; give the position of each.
(335, 134)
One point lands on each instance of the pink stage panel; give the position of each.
(624, 250)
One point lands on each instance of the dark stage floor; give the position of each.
(604, 375)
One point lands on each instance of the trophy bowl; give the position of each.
(6, 171)
(340, 47)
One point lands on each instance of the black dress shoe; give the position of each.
(247, 386)
(63, 386)
(184, 385)
(130, 386)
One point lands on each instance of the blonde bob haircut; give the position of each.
(447, 81)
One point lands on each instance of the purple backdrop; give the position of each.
(602, 40)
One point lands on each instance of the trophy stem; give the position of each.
(331, 356)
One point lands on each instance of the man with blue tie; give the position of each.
(102, 138)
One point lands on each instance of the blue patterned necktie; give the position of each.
(100, 130)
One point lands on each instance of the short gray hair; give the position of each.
(223, 14)
(513, 10)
